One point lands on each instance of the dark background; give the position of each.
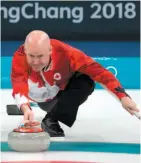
(114, 29)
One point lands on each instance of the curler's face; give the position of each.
(38, 50)
(38, 57)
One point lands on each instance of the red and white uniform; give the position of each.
(65, 60)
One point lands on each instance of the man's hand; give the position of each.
(129, 105)
(28, 113)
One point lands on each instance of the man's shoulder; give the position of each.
(20, 50)
(61, 45)
(55, 42)
(58, 45)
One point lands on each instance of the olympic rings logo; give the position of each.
(113, 70)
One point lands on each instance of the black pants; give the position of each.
(65, 105)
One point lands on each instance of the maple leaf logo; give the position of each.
(57, 76)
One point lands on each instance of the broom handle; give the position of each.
(137, 114)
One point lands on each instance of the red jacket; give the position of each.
(43, 86)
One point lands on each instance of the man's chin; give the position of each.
(36, 69)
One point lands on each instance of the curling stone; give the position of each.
(28, 139)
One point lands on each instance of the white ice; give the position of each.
(100, 119)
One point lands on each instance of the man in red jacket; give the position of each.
(59, 78)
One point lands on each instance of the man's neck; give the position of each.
(48, 67)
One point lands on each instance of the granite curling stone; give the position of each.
(29, 139)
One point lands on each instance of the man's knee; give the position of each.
(89, 85)
(91, 88)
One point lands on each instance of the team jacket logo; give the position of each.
(57, 76)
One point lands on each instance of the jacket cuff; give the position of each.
(20, 100)
(120, 92)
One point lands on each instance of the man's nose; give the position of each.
(36, 61)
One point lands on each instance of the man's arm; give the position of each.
(105, 78)
(79, 61)
(19, 77)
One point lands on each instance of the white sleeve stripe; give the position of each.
(20, 100)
